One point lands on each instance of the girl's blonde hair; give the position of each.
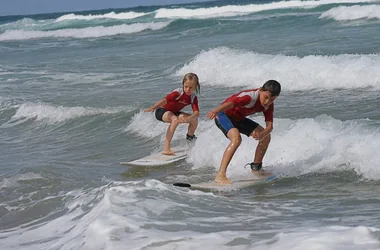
(192, 77)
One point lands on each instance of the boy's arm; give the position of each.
(223, 107)
(268, 129)
(156, 105)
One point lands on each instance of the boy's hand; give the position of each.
(149, 109)
(211, 115)
(258, 135)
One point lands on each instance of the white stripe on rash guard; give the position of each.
(254, 96)
(180, 91)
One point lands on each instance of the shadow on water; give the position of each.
(141, 171)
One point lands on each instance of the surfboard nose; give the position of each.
(181, 184)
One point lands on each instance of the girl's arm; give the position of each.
(195, 114)
(223, 107)
(158, 104)
(186, 119)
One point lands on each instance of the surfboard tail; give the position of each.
(181, 184)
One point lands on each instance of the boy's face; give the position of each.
(266, 98)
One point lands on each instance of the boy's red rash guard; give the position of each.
(247, 102)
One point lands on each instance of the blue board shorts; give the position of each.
(225, 123)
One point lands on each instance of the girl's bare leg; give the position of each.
(169, 117)
(193, 123)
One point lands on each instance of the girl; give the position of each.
(169, 109)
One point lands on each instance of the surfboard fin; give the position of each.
(181, 184)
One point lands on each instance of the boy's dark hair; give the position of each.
(273, 87)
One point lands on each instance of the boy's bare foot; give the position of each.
(168, 152)
(222, 179)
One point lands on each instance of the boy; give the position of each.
(231, 119)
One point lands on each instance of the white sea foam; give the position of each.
(151, 128)
(347, 13)
(98, 31)
(143, 214)
(225, 67)
(146, 125)
(297, 147)
(333, 237)
(124, 213)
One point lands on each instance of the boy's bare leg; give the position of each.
(235, 141)
(261, 149)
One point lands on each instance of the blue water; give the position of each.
(73, 87)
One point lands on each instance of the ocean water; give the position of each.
(73, 87)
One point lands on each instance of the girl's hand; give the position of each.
(182, 119)
(211, 115)
(149, 109)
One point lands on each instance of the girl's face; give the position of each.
(266, 98)
(189, 87)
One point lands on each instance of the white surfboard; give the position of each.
(158, 159)
(237, 183)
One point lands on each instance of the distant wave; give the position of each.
(14, 180)
(236, 10)
(111, 15)
(54, 114)
(21, 29)
(343, 13)
(98, 31)
(227, 67)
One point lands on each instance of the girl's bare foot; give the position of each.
(168, 152)
(222, 179)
